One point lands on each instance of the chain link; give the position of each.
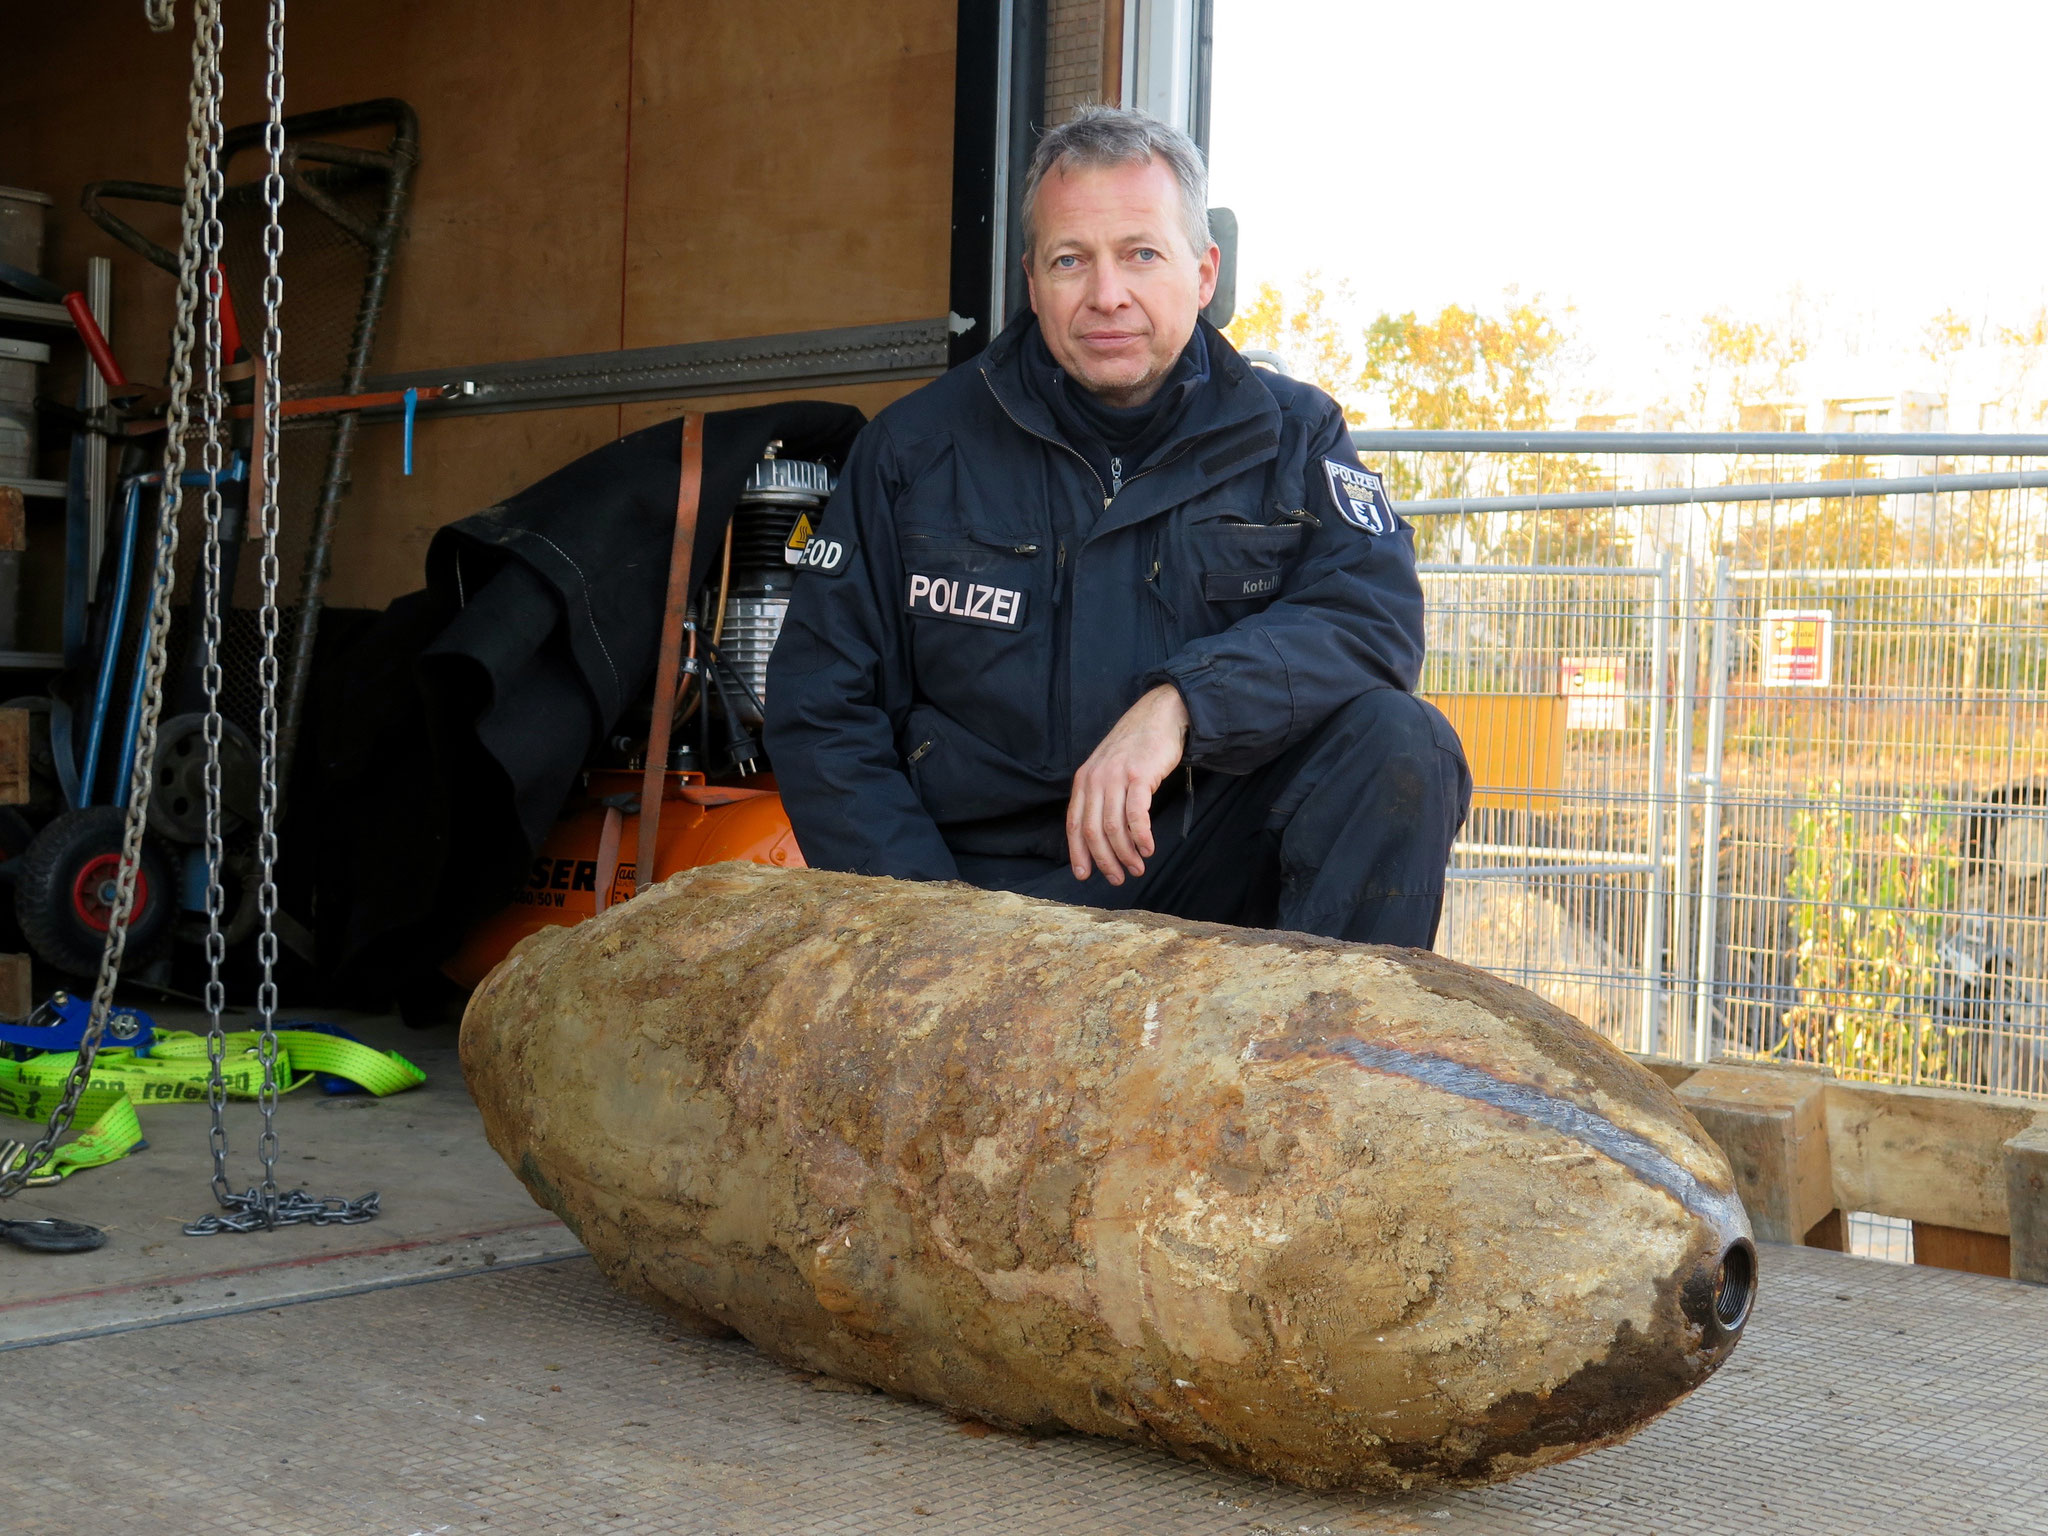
(202, 144)
(262, 1207)
(267, 786)
(201, 284)
(212, 408)
(246, 1213)
(162, 15)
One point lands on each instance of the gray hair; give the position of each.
(1104, 136)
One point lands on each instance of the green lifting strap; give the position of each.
(112, 1131)
(175, 1072)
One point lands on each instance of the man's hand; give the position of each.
(1109, 817)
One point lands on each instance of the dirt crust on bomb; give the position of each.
(1347, 1216)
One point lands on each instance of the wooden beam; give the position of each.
(17, 991)
(1929, 1155)
(1771, 1123)
(14, 757)
(1670, 1073)
(1830, 1232)
(1976, 1253)
(13, 518)
(1112, 85)
(2026, 1194)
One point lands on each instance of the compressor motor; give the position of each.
(770, 526)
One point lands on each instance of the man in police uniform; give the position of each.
(1108, 617)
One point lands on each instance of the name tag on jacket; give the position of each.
(968, 602)
(1239, 586)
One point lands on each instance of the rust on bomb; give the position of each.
(1346, 1216)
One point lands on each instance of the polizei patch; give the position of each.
(968, 602)
(1360, 498)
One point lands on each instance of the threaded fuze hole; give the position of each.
(1735, 1286)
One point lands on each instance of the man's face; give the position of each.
(1114, 283)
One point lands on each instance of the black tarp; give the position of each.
(454, 729)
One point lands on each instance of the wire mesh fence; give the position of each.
(1760, 777)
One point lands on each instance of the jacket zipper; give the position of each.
(1116, 477)
(1063, 706)
(1115, 464)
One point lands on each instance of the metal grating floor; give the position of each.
(1867, 1398)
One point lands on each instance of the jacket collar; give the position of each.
(1234, 408)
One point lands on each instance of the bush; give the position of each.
(1871, 891)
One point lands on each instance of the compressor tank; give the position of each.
(1348, 1216)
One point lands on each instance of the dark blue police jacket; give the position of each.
(974, 612)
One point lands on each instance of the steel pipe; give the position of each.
(1824, 444)
(1680, 496)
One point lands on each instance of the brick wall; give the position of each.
(1083, 55)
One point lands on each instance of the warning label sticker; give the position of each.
(799, 536)
(1799, 647)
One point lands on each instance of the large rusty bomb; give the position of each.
(1342, 1215)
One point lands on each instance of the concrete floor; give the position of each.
(316, 1381)
(449, 1205)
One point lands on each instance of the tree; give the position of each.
(1301, 329)
(1465, 369)
(1747, 365)
(2023, 347)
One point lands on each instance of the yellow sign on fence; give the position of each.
(1799, 647)
(1514, 743)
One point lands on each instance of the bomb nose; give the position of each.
(1718, 1292)
(1735, 1285)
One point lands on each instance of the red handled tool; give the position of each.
(47, 292)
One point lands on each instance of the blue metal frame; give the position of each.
(110, 653)
(110, 656)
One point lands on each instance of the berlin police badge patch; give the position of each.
(1360, 497)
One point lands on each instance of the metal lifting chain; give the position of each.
(202, 145)
(210, 677)
(261, 1207)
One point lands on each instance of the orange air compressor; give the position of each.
(713, 665)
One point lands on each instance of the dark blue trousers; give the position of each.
(1345, 834)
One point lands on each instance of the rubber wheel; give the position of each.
(63, 891)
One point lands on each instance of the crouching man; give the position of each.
(1109, 617)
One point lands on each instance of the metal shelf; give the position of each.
(53, 489)
(34, 312)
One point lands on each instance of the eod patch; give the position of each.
(1361, 498)
(827, 557)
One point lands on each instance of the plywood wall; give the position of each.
(604, 174)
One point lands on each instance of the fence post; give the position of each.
(1653, 919)
(1681, 804)
(1707, 971)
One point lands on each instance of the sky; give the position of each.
(1642, 163)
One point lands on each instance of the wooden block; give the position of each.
(1923, 1154)
(1977, 1253)
(1670, 1072)
(13, 518)
(1830, 1232)
(14, 742)
(1772, 1126)
(17, 990)
(2026, 1193)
